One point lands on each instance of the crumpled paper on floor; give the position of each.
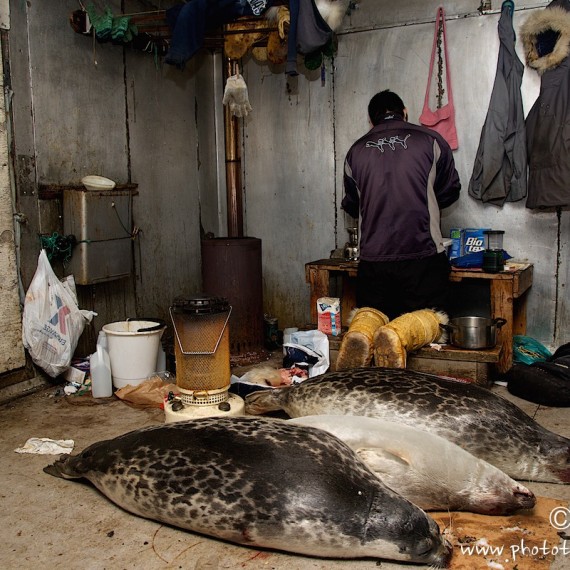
(46, 446)
(148, 394)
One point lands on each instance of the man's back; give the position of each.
(401, 175)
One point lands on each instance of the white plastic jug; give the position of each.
(100, 370)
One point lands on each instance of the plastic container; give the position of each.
(100, 370)
(133, 350)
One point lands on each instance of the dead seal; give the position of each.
(474, 418)
(259, 482)
(425, 468)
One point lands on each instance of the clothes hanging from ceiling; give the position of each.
(500, 169)
(307, 33)
(189, 23)
(546, 39)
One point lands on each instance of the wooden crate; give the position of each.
(474, 365)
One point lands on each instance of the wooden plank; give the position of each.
(502, 307)
(350, 268)
(449, 352)
(509, 275)
(319, 281)
(523, 281)
(347, 300)
(478, 372)
(519, 315)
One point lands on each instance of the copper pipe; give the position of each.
(233, 165)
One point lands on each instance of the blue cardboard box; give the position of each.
(456, 249)
(473, 240)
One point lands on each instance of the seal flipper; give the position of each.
(383, 460)
(77, 466)
(63, 468)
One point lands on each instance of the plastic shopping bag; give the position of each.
(52, 321)
(310, 347)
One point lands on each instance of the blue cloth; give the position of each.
(473, 260)
(189, 23)
(291, 65)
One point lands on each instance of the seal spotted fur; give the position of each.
(474, 418)
(259, 482)
(428, 470)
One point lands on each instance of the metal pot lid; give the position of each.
(201, 304)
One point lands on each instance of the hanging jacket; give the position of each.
(546, 39)
(308, 32)
(500, 169)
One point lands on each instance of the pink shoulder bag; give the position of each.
(442, 119)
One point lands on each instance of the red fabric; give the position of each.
(441, 120)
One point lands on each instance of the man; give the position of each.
(397, 178)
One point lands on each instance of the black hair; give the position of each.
(384, 102)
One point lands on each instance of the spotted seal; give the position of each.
(473, 417)
(259, 482)
(428, 470)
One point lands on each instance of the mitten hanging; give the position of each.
(236, 96)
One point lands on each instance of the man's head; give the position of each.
(384, 103)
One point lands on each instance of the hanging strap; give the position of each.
(440, 17)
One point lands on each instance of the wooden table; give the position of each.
(507, 295)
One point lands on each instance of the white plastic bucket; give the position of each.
(133, 353)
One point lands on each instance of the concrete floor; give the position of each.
(53, 523)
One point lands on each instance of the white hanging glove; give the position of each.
(235, 95)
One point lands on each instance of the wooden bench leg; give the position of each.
(319, 281)
(502, 306)
(519, 314)
(348, 299)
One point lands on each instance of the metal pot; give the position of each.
(473, 333)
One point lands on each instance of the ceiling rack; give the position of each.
(154, 25)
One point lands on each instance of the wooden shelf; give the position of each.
(55, 191)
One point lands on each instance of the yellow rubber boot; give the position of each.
(357, 347)
(406, 333)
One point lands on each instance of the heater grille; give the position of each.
(202, 353)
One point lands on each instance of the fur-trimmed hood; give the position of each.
(552, 18)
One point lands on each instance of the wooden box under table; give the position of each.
(473, 365)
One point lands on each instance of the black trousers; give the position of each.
(397, 287)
